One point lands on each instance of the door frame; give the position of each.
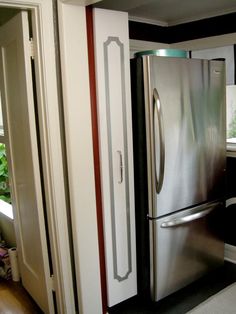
(51, 147)
(79, 149)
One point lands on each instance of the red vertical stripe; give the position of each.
(92, 78)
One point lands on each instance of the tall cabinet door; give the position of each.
(116, 156)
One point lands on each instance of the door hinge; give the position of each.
(52, 282)
(32, 50)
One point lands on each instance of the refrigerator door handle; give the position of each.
(186, 219)
(157, 108)
(120, 166)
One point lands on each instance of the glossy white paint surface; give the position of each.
(115, 132)
(76, 97)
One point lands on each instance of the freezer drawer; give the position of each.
(184, 246)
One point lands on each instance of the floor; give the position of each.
(15, 300)
(184, 300)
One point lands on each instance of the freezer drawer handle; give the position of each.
(121, 166)
(186, 219)
(157, 106)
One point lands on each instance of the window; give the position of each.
(231, 113)
(4, 178)
(5, 197)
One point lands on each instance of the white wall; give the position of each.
(205, 43)
(196, 44)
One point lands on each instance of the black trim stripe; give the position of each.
(234, 64)
(219, 25)
(148, 32)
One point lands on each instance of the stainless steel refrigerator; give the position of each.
(179, 137)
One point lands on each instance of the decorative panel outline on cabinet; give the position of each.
(120, 45)
(111, 42)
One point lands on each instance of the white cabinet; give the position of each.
(116, 152)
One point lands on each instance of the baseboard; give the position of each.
(230, 253)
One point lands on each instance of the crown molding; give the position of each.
(200, 17)
(148, 21)
(80, 2)
(164, 23)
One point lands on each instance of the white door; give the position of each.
(20, 127)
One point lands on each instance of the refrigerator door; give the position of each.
(185, 132)
(184, 246)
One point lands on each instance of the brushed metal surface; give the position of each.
(181, 254)
(186, 219)
(192, 94)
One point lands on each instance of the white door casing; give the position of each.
(78, 130)
(42, 22)
(20, 128)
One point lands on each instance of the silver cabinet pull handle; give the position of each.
(121, 166)
(157, 109)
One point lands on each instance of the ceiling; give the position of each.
(170, 12)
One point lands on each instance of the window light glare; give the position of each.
(6, 209)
